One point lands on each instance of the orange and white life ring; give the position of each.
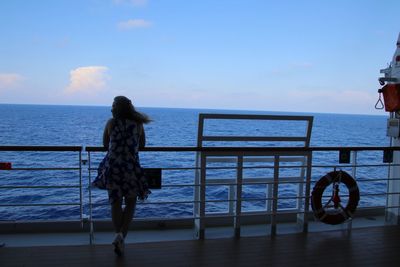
(340, 213)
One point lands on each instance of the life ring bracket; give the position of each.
(340, 213)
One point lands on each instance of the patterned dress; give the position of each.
(121, 167)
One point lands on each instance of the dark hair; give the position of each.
(123, 108)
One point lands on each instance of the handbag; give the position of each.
(153, 177)
(102, 174)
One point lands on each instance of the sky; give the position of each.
(286, 55)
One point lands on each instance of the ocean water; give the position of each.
(83, 126)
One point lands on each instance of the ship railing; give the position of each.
(231, 169)
(36, 172)
(297, 133)
(275, 161)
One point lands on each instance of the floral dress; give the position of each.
(123, 175)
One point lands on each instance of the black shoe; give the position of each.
(119, 245)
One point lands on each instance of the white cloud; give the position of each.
(134, 24)
(9, 80)
(132, 2)
(89, 79)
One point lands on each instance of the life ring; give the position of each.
(341, 214)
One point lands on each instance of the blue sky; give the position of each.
(305, 56)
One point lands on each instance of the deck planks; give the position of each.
(377, 246)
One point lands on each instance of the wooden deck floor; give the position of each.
(379, 246)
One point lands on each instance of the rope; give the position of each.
(379, 104)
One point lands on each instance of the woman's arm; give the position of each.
(142, 140)
(106, 133)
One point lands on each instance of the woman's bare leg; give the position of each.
(129, 211)
(117, 215)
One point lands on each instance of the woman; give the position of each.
(124, 178)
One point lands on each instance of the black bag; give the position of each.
(153, 177)
(102, 173)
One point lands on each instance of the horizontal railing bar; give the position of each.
(179, 185)
(153, 203)
(286, 181)
(256, 149)
(172, 169)
(46, 169)
(233, 159)
(197, 149)
(271, 198)
(234, 184)
(393, 179)
(352, 166)
(208, 216)
(271, 167)
(175, 202)
(305, 166)
(41, 148)
(39, 204)
(205, 201)
(251, 138)
(227, 168)
(251, 181)
(243, 199)
(247, 183)
(366, 195)
(392, 193)
(373, 179)
(245, 213)
(296, 182)
(392, 207)
(313, 166)
(214, 116)
(38, 186)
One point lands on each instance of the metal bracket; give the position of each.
(387, 156)
(344, 156)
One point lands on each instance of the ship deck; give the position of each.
(373, 246)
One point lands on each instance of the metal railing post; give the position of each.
(275, 196)
(269, 196)
(307, 194)
(354, 174)
(300, 193)
(91, 230)
(80, 188)
(238, 209)
(203, 164)
(196, 189)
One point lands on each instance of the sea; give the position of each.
(49, 185)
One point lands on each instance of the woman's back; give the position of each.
(124, 137)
